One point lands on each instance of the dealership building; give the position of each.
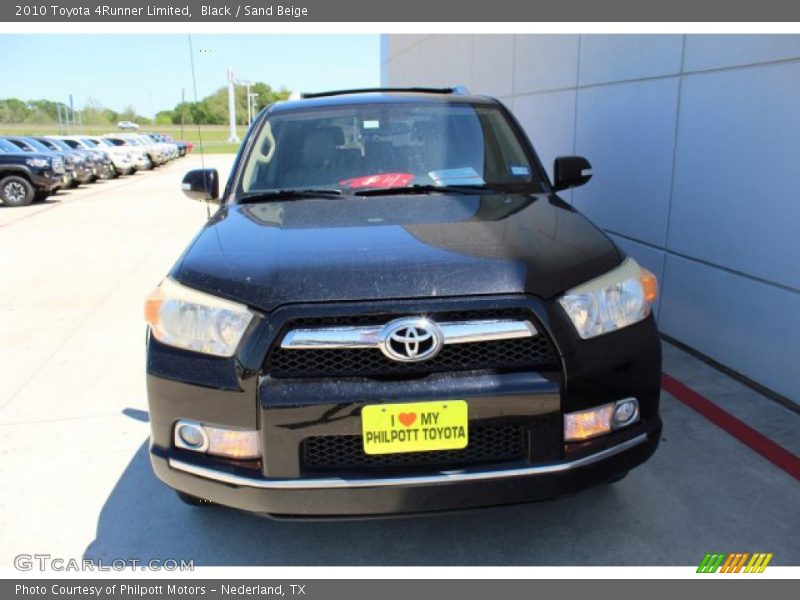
(695, 146)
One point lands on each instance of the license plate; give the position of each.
(414, 427)
(64, 179)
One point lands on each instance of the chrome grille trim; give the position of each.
(459, 476)
(368, 336)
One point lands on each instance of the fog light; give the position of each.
(626, 412)
(588, 423)
(600, 420)
(190, 436)
(230, 443)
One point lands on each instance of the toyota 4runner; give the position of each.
(392, 311)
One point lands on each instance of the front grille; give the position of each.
(487, 445)
(525, 353)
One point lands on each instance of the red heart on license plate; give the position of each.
(407, 419)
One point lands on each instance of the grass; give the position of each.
(214, 137)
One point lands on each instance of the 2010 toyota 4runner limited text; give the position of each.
(393, 312)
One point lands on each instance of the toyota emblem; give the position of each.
(411, 339)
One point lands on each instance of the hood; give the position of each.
(310, 250)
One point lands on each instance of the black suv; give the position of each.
(393, 312)
(26, 177)
(74, 165)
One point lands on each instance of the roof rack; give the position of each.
(458, 90)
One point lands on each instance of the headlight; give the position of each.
(39, 163)
(192, 320)
(612, 301)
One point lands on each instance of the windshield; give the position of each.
(8, 146)
(36, 145)
(88, 143)
(58, 144)
(388, 145)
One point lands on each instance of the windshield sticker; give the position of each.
(463, 176)
(372, 124)
(382, 180)
(520, 170)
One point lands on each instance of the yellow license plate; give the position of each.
(414, 427)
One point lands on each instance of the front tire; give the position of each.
(16, 191)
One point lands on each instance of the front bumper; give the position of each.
(46, 181)
(353, 497)
(230, 393)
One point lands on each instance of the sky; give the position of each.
(149, 71)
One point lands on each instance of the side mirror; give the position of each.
(570, 171)
(202, 184)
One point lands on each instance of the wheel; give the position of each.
(193, 500)
(16, 191)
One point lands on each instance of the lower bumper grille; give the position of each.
(487, 445)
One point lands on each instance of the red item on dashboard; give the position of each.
(382, 180)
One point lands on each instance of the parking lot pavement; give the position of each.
(73, 430)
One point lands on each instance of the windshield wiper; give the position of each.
(289, 194)
(426, 189)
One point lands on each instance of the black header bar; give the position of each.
(442, 11)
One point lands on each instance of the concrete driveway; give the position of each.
(73, 430)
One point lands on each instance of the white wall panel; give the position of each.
(607, 58)
(748, 326)
(717, 51)
(545, 62)
(627, 131)
(549, 120)
(457, 63)
(492, 64)
(737, 182)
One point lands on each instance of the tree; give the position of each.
(13, 110)
(95, 113)
(211, 110)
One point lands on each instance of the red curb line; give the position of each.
(776, 454)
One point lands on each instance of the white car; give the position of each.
(158, 153)
(127, 125)
(120, 158)
(137, 157)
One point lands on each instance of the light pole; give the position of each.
(251, 106)
(233, 138)
(251, 98)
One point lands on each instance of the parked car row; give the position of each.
(33, 167)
